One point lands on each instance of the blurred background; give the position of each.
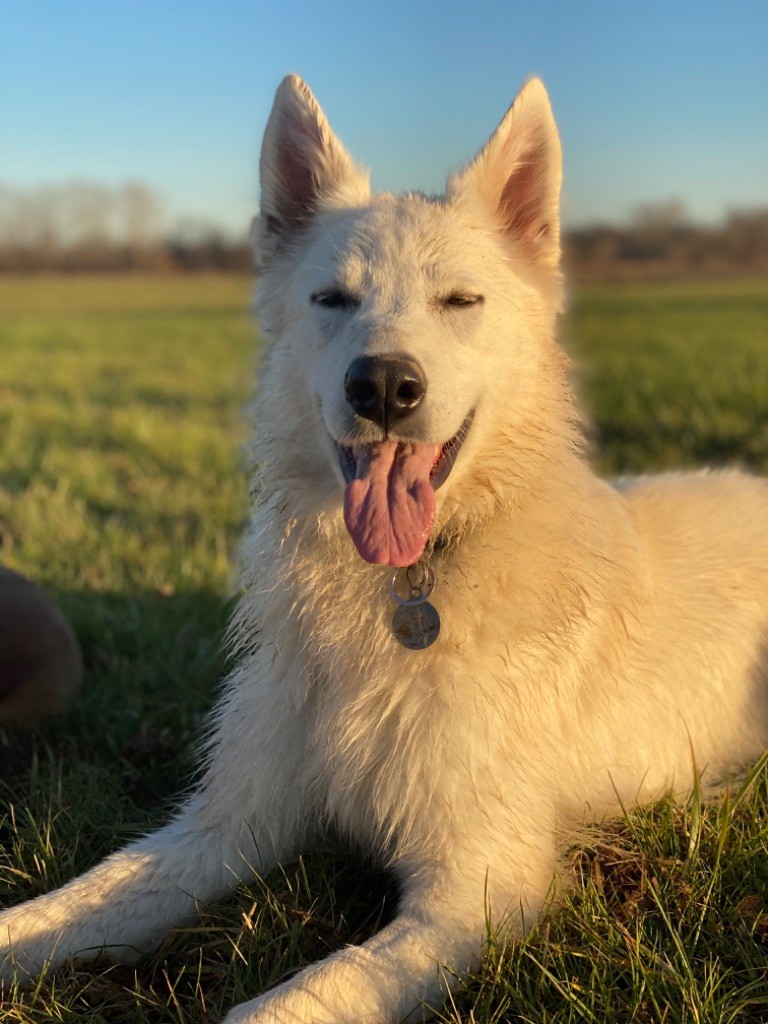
(129, 130)
(129, 141)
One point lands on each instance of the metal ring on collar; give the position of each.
(424, 591)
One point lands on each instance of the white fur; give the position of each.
(592, 637)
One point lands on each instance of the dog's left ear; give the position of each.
(517, 175)
(303, 168)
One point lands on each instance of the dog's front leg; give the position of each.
(405, 971)
(244, 817)
(381, 982)
(125, 904)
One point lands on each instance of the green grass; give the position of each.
(674, 374)
(122, 490)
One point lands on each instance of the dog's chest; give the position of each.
(400, 739)
(402, 745)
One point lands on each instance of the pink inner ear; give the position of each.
(297, 154)
(523, 198)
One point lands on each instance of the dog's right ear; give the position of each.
(303, 167)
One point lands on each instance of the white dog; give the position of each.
(454, 640)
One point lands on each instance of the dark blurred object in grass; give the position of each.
(41, 668)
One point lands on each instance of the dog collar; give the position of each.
(416, 622)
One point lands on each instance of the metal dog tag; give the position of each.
(416, 622)
(416, 628)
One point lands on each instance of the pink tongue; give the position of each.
(390, 507)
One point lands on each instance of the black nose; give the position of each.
(385, 389)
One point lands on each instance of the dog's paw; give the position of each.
(257, 1011)
(284, 1005)
(27, 948)
(281, 1006)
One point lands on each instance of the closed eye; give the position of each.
(334, 298)
(462, 300)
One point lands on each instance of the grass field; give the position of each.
(122, 490)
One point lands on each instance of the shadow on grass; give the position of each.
(87, 782)
(152, 665)
(241, 946)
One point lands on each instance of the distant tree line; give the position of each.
(660, 241)
(82, 226)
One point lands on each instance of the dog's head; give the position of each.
(408, 333)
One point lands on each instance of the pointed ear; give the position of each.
(518, 174)
(303, 167)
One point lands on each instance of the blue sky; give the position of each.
(654, 100)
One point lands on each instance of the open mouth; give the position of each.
(389, 501)
(444, 456)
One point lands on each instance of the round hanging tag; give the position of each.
(416, 626)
